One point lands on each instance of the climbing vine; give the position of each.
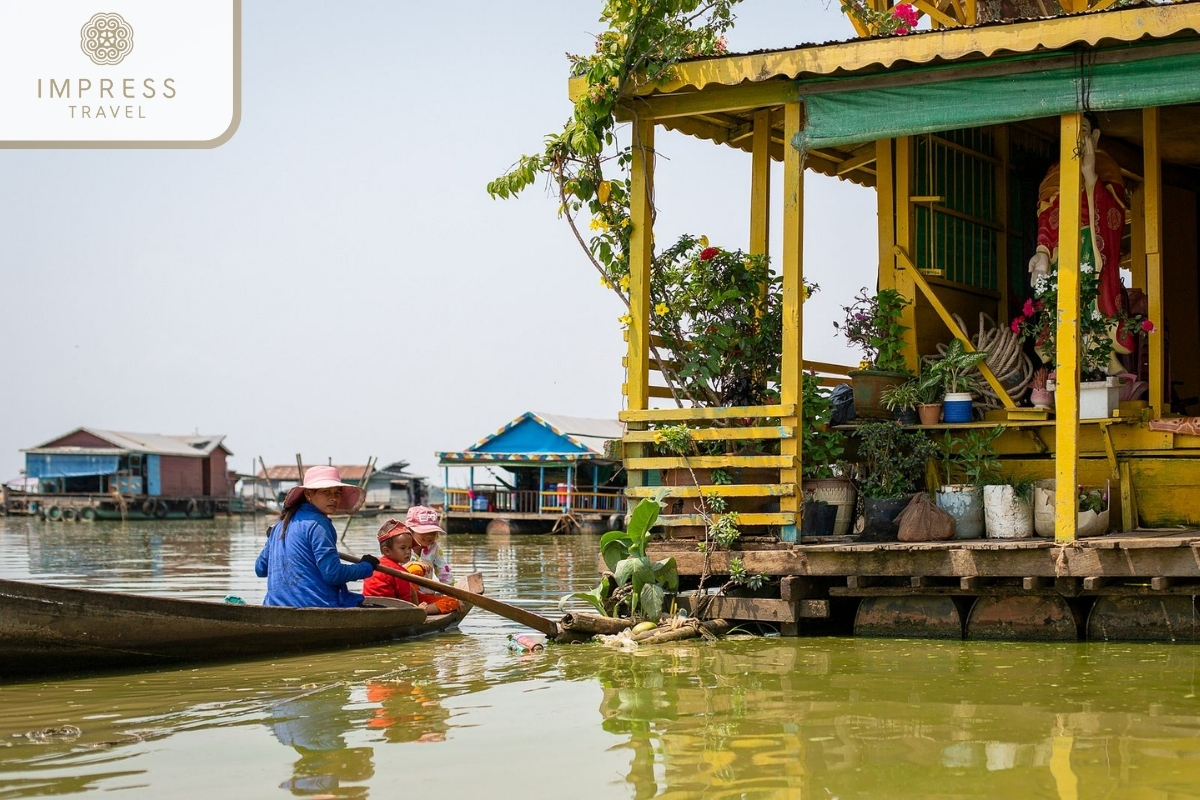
(585, 162)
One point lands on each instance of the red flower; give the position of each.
(1147, 326)
(1015, 325)
(709, 253)
(1027, 309)
(907, 14)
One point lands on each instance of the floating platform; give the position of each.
(1135, 586)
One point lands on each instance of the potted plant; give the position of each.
(821, 451)
(1039, 393)
(1093, 505)
(891, 462)
(873, 325)
(955, 374)
(1007, 509)
(970, 462)
(819, 517)
(902, 400)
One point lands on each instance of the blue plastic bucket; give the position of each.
(957, 408)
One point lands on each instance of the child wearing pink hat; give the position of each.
(395, 547)
(427, 550)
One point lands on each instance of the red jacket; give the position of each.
(383, 585)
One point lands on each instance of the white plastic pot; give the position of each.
(1006, 514)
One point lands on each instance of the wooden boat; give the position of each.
(52, 629)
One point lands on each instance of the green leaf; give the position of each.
(636, 570)
(614, 546)
(650, 599)
(666, 573)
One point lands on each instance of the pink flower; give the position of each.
(1016, 324)
(908, 16)
(709, 253)
(1147, 326)
(1028, 309)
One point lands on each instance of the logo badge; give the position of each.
(106, 39)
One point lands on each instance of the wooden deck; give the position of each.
(1141, 555)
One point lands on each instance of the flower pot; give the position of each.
(818, 520)
(869, 385)
(1007, 515)
(907, 416)
(1041, 398)
(930, 413)
(881, 516)
(957, 407)
(965, 504)
(837, 492)
(1088, 523)
(1097, 399)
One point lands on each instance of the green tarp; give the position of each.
(855, 117)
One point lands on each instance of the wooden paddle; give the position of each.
(526, 618)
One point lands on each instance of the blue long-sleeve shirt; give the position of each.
(303, 569)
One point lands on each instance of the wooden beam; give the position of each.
(918, 280)
(1152, 199)
(899, 279)
(1002, 276)
(1066, 429)
(726, 99)
(687, 520)
(705, 462)
(641, 254)
(886, 208)
(861, 156)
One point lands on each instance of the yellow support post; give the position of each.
(1066, 429)
(760, 185)
(641, 212)
(896, 278)
(1152, 200)
(790, 376)
(886, 204)
(1137, 236)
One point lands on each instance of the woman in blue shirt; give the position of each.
(300, 560)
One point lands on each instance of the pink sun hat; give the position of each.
(423, 519)
(324, 478)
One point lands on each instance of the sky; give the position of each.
(335, 281)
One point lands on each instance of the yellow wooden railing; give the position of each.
(727, 424)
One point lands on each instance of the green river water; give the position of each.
(460, 715)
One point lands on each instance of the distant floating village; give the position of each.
(538, 473)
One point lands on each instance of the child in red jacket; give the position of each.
(395, 546)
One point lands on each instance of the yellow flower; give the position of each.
(747, 263)
(661, 309)
(594, 224)
(603, 190)
(659, 438)
(624, 283)
(604, 282)
(625, 222)
(703, 241)
(625, 319)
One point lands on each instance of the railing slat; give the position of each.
(716, 434)
(704, 462)
(722, 489)
(724, 412)
(677, 520)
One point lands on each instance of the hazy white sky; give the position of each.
(335, 280)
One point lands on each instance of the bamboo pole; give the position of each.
(641, 253)
(1066, 399)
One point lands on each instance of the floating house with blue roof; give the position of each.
(538, 473)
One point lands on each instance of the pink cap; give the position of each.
(423, 519)
(324, 478)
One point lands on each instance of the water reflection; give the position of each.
(851, 719)
(314, 725)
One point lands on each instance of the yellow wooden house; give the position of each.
(942, 123)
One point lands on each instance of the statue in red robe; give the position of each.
(1102, 223)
